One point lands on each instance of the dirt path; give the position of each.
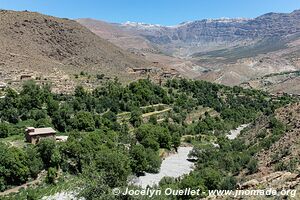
(38, 180)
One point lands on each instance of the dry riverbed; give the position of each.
(174, 166)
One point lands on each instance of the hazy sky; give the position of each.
(165, 12)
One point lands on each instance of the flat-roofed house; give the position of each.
(26, 77)
(34, 135)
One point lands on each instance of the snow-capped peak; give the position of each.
(145, 26)
(141, 25)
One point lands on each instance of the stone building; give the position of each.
(34, 135)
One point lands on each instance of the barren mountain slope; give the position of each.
(32, 42)
(118, 36)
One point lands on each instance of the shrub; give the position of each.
(51, 175)
(252, 166)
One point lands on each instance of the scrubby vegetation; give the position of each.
(102, 149)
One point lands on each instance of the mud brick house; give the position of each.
(34, 135)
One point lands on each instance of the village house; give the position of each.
(34, 135)
(142, 70)
(169, 74)
(26, 77)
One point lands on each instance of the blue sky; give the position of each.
(165, 12)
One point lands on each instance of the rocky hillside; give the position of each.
(35, 43)
(278, 161)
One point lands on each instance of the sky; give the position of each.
(164, 12)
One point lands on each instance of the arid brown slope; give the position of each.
(115, 34)
(41, 43)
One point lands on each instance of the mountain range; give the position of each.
(205, 35)
(228, 51)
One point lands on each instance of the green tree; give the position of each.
(136, 119)
(176, 140)
(95, 186)
(55, 158)
(212, 178)
(44, 122)
(32, 96)
(5, 130)
(34, 161)
(150, 142)
(52, 106)
(51, 175)
(153, 161)
(153, 119)
(61, 118)
(138, 159)
(46, 148)
(84, 121)
(164, 138)
(13, 166)
(80, 92)
(115, 165)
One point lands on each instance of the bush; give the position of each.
(51, 175)
(228, 183)
(280, 167)
(153, 119)
(100, 76)
(136, 117)
(252, 166)
(31, 195)
(160, 107)
(149, 109)
(188, 139)
(212, 178)
(5, 130)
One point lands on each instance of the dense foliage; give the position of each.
(107, 148)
